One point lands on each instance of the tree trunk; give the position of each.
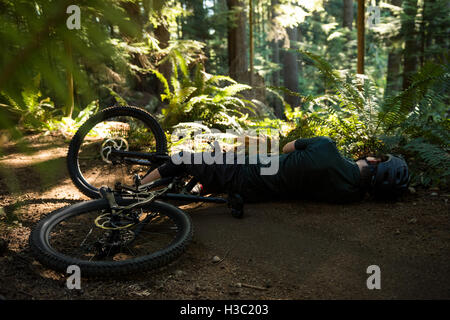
(348, 14)
(237, 48)
(393, 83)
(409, 34)
(290, 69)
(250, 40)
(275, 44)
(423, 33)
(69, 105)
(163, 36)
(360, 26)
(134, 13)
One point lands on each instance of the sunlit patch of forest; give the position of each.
(372, 75)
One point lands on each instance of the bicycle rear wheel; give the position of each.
(81, 235)
(89, 159)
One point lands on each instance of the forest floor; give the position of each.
(279, 250)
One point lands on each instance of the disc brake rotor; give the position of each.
(105, 221)
(117, 143)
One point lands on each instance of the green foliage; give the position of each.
(430, 162)
(194, 95)
(35, 112)
(68, 126)
(422, 129)
(37, 43)
(414, 122)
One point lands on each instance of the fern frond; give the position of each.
(396, 109)
(163, 80)
(231, 90)
(432, 155)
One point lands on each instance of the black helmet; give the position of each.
(391, 178)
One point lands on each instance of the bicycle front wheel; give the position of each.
(84, 235)
(89, 160)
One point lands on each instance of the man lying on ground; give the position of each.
(310, 168)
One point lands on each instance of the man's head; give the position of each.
(385, 177)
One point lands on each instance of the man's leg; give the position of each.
(168, 169)
(152, 176)
(216, 178)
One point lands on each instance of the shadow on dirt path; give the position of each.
(324, 250)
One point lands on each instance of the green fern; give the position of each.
(396, 109)
(431, 163)
(194, 95)
(414, 123)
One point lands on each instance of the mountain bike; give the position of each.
(128, 227)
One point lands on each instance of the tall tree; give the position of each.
(163, 35)
(290, 68)
(250, 40)
(237, 44)
(361, 33)
(275, 45)
(70, 101)
(393, 83)
(348, 14)
(409, 34)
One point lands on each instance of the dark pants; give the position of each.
(224, 177)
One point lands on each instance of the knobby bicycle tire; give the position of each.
(72, 156)
(40, 241)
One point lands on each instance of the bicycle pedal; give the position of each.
(236, 203)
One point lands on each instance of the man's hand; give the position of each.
(289, 147)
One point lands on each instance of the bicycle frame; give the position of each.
(153, 159)
(141, 158)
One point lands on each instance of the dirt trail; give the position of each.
(286, 250)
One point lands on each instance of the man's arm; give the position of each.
(289, 147)
(303, 143)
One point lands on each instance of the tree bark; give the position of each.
(69, 106)
(237, 47)
(360, 26)
(250, 40)
(134, 13)
(393, 83)
(162, 34)
(290, 69)
(408, 32)
(348, 14)
(275, 44)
